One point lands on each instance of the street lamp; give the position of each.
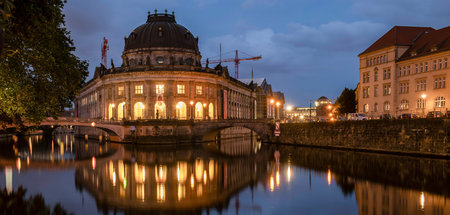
(424, 96)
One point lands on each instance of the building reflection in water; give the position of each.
(374, 199)
(149, 178)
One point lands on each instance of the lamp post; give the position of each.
(424, 96)
(192, 103)
(310, 103)
(278, 110)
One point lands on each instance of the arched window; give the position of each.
(160, 110)
(366, 108)
(110, 111)
(198, 110)
(420, 103)
(181, 110)
(138, 110)
(404, 104)
(387, 106)
(439, 101)
(121, 111)
(211, 111)
(160, 60)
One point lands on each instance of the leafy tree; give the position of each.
(346, 102)
(39, 73)
(16, 203)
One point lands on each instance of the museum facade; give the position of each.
(161, 77)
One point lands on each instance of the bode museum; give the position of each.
(161, 77)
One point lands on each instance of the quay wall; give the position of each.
(423, 137)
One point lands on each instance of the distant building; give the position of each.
(405, 71)
(323, 107)
(269, 104)
(301, 113)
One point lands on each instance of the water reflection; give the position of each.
(235, 141)
(149, 178)
(238, 176)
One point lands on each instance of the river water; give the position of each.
(231, 174)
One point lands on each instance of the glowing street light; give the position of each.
(272, 101)
(93, 124)
(289, 108)
(329, 107)
(424, 96)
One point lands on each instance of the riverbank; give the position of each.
(416, 137)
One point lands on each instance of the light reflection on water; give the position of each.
(233, 175)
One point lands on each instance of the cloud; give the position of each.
(404, 12)
(303, 57)
(255, 3)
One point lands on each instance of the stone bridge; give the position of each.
(150, 130)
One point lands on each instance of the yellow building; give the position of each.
(405, 71)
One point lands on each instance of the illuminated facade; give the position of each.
(405, 71)
(161, 78)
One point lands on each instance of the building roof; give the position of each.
(257, 81)
(431, 42)
(398, 35)
(161, 30)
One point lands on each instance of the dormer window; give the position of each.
(186, 35)
(413, 53)
(160, 60)
(160, 31)
(188, 61)
(433, 49)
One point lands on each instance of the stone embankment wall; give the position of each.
(412, 136)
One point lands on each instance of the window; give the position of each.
(120, 91)
(440, 63)
(366, 108)
(375, 107)
(159, 89)
(445, 63)
(367, 63)
(375, 76)
(439, 102)
(417, 68)
(180, 89)
(386, 89)
(375, 91)
(409, 70)
(420, 103)
(426, 66)
(387, 106)
(386, 74)
(404, 104)
(138, 89)
(421, 85)
(366, 92)
(421, 67)
(160, 60)
(439, 83)
(404, 87)
(400, 71)
(366, 77)
(198, 90)
(434, 64)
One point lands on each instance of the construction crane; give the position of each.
(236, 61)
(105, 48)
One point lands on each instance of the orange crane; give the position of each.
(236, 61)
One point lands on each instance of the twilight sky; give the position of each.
(309, 47)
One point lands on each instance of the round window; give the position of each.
(160, 60)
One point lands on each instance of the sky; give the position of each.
(309, 48)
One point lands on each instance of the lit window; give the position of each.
(404, 105)
(160, 60)
(138, 89)
(439, 102)
(159, 89)
(387, 106)
(120, 91)
(198, 90)
(420, 103)
(387, 89)
(366, 108)
(180, 89)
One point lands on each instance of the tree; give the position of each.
(40, 75)
(346, 102)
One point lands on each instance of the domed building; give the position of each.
(161, 77)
